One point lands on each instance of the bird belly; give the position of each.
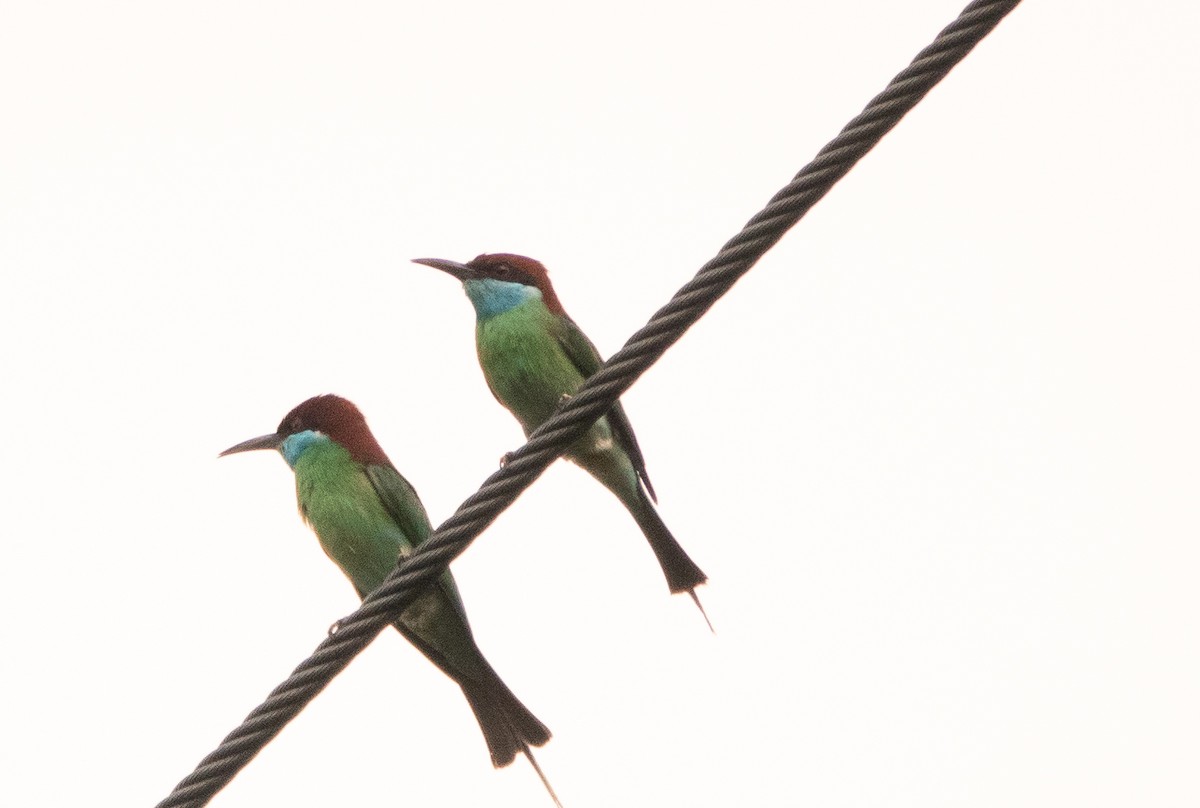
(595, 443)
(525, 368)
(353, 529)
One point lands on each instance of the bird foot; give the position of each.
(505, 459)
(564, 398)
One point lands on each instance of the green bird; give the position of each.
(367, 517)
(533, 355)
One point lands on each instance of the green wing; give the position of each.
(400, 500)
(584, 356)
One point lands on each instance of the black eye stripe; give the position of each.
(502, 270)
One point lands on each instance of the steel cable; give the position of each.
(592, 400)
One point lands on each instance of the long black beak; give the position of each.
(460, 271)
(271, 441)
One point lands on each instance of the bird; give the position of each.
(367, 517)
(533, 357)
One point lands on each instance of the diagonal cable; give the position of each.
(591, 401)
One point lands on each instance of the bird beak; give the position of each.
(460, 271)
(271, 441)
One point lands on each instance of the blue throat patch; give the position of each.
(491, 297)
(295, 445)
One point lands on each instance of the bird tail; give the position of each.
(508, 725)
(615, 472)
(682, 574)
(549, 788)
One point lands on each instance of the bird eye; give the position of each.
(503, 269)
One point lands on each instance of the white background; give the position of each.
(937, 452)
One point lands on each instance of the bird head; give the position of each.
(326, 417)
(496, 281)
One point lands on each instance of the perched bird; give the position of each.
(367, 517)
(533, 355)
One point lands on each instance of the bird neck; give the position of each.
(308, 443)
(491, 297)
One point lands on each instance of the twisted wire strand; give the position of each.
(589, 403)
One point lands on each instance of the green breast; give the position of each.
(524, 364)
(355, 531)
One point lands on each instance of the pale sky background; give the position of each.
(938, 452)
